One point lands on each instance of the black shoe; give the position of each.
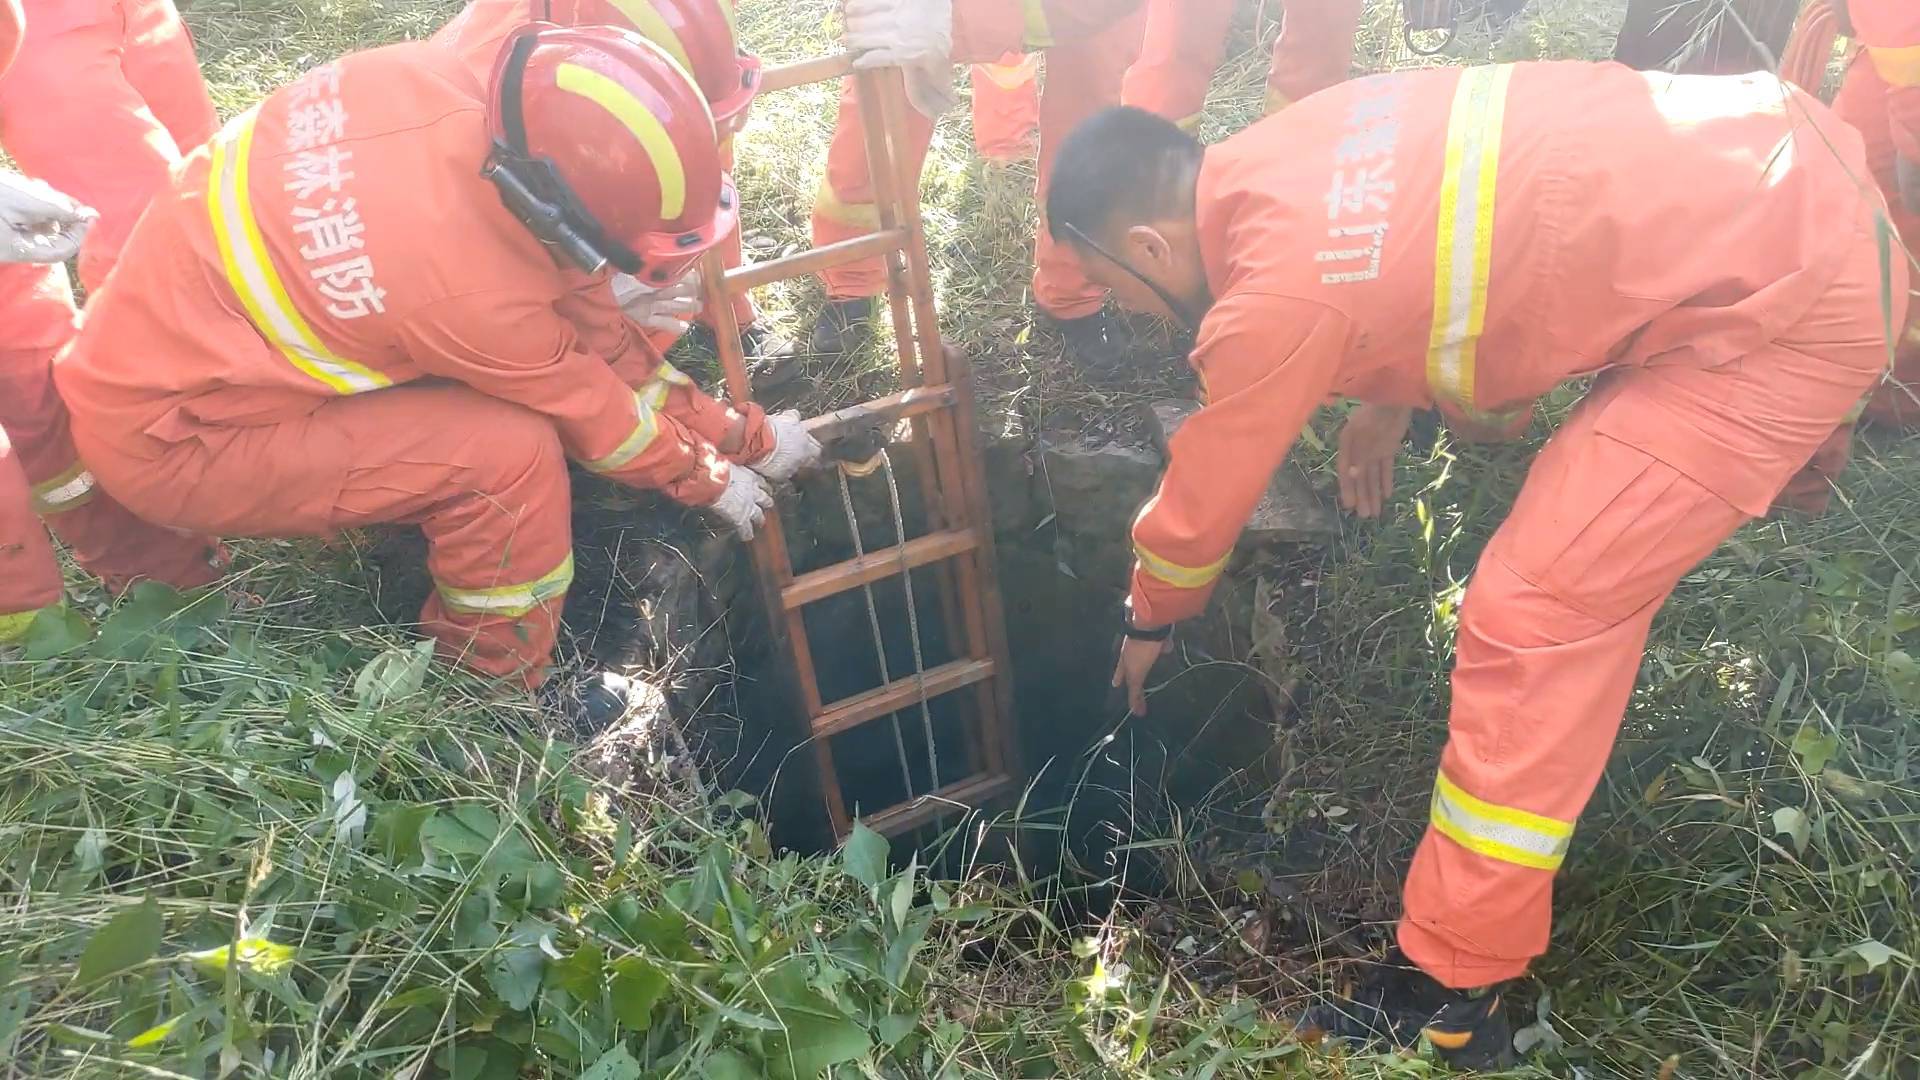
(772, 360)
(589, 700)
(834, 332)
(1398, 1004)
(1097, 343)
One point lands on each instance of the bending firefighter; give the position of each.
(699, 35)
(45, 485)
(1472, 239)
(382, 295)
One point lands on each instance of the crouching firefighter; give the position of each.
(381, 295)
(1470, 240)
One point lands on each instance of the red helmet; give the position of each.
(606, 150)
(698, 34)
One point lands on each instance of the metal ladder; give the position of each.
(936, 400)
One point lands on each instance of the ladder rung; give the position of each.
(968, 794)
(875, 565)
(883, 410)
(898, 694)
(814, 260)
(800, 73)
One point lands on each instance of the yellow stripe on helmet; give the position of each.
(646, 129)
(647, 22)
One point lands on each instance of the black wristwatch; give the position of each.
(1142, 633)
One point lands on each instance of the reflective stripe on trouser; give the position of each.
(1614, 511)
(485, 480)
(101, 106)
(1083, 76)
(1006, 107)
(254, 279)
(104, 538)
(29, 575)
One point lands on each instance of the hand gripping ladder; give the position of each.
(936, 398)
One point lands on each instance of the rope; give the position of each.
(873, 624)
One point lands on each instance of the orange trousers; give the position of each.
(1862, 102)
(1006, 107)
(1556, 616)
(105, 96)
(1083, 76)
(484, 479)
(29, 576)
(36, 318)
(1186, 41)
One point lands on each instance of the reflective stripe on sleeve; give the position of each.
(1182, 577)
(250, 273)
(67, 491)
(1463, 252)
(646, 426)
(1498, 832)
(510, 600)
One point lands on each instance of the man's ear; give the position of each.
(1148, 245)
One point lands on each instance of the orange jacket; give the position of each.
(339, 239)
(1561, 218)
(1889, 36)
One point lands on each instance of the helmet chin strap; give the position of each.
(533, 190)
(1178, 310)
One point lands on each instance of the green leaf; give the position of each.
(1792, 822)
(615, 1064)
(1877, 955)
(1903, 675)
(902, 899)
(55, 631)
(896, 1026)
(728, 1065)
(433, 996)
(252, 954)
(514, 973)
(152, 613)
(396, 831)
(1814, 748)
(865, 856)
(813, 1044)
(580, 975)
(636, 987)
(394, 675)
(128, 939)
(156, 1033)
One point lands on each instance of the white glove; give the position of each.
(793, 448)
(37, 223)
(887, 32)
(671, 308)
(916, 36)
(745, 502)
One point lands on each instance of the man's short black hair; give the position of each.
(1119, 163)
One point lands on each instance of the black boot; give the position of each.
(1398, 1004)
(588, 700)
(1097, 343)
(772, 360)
(833, 334)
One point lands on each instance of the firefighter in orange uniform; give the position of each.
(1185, 42)
(1471, 239)
(105, 97)
(699, 35)
(37, 317)
(382, 295)
(1088, 44)
(1881, 97)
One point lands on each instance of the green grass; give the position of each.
(1740, 901)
